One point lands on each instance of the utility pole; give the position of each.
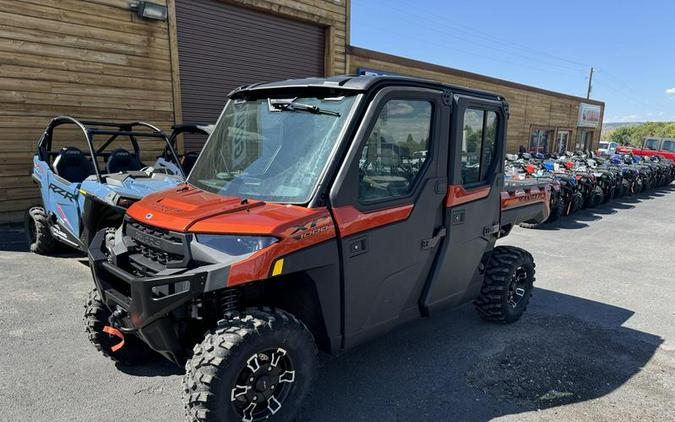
(590, 84)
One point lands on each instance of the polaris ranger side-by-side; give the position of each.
(321, 213)
(83, 192)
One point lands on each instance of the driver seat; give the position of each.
(121, 160)
(72, 165)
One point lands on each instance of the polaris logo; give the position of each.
(148, 216)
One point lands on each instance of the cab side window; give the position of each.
(479, 145)
(396, 150)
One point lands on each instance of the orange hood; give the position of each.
(188, 209)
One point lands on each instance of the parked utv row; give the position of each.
(320, 214)
(580, 180)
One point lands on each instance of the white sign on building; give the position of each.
(589, 115)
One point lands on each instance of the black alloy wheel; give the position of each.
(263, 385)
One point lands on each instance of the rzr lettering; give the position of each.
(59, 191)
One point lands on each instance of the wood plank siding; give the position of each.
(530, 107)
(95, 59)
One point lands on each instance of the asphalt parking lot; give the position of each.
(596, 344)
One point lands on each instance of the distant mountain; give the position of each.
(615, 125)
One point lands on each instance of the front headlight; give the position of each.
(125, 202)
(236, 245)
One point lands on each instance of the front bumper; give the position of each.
(137, 306)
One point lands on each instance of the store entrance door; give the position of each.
(584, 140)
(561, 143)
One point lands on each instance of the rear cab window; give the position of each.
(652, 144)
(479, 145)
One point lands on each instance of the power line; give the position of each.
(473, 32)
(474, 53)
(628, 88)
(634, 100)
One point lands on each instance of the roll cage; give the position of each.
(91, 128)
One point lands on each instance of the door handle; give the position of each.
(488, 230)
(432, 242)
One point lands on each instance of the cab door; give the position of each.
(63, 202)
(388, 205)
(473, 204)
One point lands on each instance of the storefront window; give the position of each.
(539, 140)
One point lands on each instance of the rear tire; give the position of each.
(508, 284)
(232, 375)
(96, 314)
(36, 228)
(557, 211)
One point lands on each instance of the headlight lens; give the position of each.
(125, 202)
(236, 245)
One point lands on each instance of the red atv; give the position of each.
(321, 213)
(652, 146)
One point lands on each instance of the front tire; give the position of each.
(508, 284)
(133, 352)
(595, 198)
(577, 202)
(255, 366)
(36, 228)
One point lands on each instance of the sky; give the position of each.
(547, 44)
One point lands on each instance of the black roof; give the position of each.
(355, 83)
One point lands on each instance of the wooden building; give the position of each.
(540, 120)
(97, 59)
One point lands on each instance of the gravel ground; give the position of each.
(597, 342)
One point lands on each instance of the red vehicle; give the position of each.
(664, 147)
(321, 213)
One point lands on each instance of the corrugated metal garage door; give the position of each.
(221, 46)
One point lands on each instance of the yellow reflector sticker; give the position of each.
(278, 267)
(83, 192)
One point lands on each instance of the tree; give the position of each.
(634, 135)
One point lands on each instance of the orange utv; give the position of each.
(321, 214)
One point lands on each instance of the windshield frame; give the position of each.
(337, 143)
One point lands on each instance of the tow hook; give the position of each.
(114, 321)
(117, 333)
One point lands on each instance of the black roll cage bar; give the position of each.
(90, 128)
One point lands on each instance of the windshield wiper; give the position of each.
(293, 106)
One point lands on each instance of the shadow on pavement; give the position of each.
(159, 367)
(580, 219)
(454, 366)
(13, 239)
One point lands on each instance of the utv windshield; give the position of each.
(270, 149)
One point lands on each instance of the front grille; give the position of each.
(155, 249)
